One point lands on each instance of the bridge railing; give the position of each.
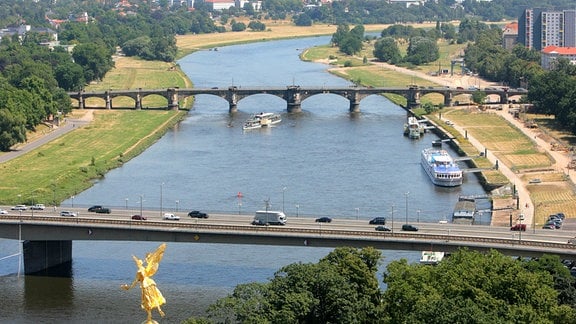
(273, 230)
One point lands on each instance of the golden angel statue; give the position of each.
(151, 296)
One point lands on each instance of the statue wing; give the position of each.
(153, 259)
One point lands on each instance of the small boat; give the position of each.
(430, 257)
(441, 167)
(413, 128)
(261, 120)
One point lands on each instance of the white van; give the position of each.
(269, 217)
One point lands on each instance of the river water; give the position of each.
(323, 161)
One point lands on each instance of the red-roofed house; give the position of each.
(552, 53)
(510, 35)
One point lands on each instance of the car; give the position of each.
(560, 215)
(258, 222)
(197, 214)
(38, 207)
(3, 212)
(19, 207)
(449, 123)
(378, 221)
(549, 226)
(170, 216)
(138, 217)
(460, 88)
(103, 210)
(518, 227)
(535, 180)
(323, 220)
(556, 224)
(94, 208)
(383, 228)
(68, 213)
(521, 90)
(409, 228)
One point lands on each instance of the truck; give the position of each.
(269, 217)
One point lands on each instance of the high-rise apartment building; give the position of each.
(539, 28)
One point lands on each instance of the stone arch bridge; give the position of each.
(293, 95)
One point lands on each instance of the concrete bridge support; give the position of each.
(53, 258)
(413, 98)
(108, 100)
(504, 98)
(448, 97)
(293, 98)
(232, 98)
(138, 100)
(81, 103)
(354, 99)
(173, 99)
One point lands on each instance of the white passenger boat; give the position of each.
(413, 128)
(431, 257)
(261, 120)
(441, 167)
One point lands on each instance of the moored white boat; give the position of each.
(413, 128)
(431, 257)
(441, 167)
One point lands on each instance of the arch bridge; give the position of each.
(293, 95)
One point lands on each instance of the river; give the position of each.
(323, 161)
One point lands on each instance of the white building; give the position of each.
(551, 53)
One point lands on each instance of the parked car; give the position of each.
(68, 213)
(3, 212)
(518, 227)
(170, 216)
(383, 228)
(378, 221)
(409, 228)
(138, 217)
(323, 220)
(19, 207)
(94, 208)
(103, 210)
(197, 214)
(38, 207)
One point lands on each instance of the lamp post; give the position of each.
(126, 204)
(72, 201)
(418, 213)
(141, 196)
(357, 213)
(177, 205)
(406, 194)
(392, 223)
(297, 210)
(283, 191)
(161, 189)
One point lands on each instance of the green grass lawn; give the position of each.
(66, 166)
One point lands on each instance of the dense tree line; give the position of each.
(467, 287)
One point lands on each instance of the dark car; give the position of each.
(197, 214)
(409, 228)
(377, 221)
(383, 228)
(94, 208)
(549, 226)
(518, 227)
(138, 217)
(103, 210)
(323, 220)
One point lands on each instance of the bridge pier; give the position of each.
(81, 103)
(108, 100)
(232, 98)
(293, 99)
(52, 258)
(354, 100)
(138, 105)
(173, 99)
(448, 99)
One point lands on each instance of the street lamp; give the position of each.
(283, 191)
(161, 189)
(406, 194)
(357, 213)
(297, 210)
(392, 223)
(126, 204)
(72, 201)
(418, 212)
(141, 196)
(177, 205)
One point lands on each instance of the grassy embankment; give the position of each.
(510, 144)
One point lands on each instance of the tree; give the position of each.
(422, 50)
(498, 290)
(386, 50)
(95, 60)
(256, 26)
(12, 129)
(303, 19)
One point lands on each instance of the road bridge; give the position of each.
(293, 95)
(48, 238)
